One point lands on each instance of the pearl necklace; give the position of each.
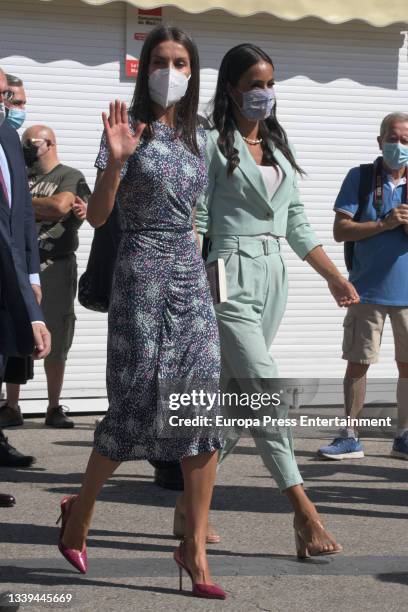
(252, 142)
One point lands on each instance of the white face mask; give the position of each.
(167, 86)
(2, 113)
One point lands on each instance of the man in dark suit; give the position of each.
(22, 330)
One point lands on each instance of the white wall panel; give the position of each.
(69, 55)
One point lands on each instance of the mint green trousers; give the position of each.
(248, 322)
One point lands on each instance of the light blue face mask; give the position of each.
(257, 104)
(395, 155)
(16, 117)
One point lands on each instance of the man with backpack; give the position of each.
(372, 220)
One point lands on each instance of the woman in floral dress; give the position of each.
(162, 324)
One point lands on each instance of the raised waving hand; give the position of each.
(121, 141)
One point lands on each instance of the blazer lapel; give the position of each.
(4, 235)
(3, 142)
(252, 173)
(286, 169)
(3, 202)
(249, 168)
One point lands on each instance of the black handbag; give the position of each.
(95, 284)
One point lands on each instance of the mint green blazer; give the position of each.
(239, 205)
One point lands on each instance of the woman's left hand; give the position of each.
(343, 291)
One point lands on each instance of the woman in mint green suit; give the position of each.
(252, 201)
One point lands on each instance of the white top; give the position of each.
(272, 178)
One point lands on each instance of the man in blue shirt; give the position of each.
(380, 275)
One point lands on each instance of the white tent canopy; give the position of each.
(375, 12)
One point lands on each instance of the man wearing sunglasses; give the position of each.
(22, 330)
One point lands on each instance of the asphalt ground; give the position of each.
(363, 502)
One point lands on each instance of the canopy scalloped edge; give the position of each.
(377, 13)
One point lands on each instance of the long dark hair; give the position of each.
(186, 108)
(237, 61)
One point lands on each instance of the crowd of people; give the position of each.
(176, 179)
(59, 212)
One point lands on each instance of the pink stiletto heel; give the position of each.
(78, 559)
(206, 591)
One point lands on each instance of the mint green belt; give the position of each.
(245, 244)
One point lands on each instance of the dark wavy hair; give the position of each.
(234, 64)
(186, 108)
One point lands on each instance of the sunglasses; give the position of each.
(7, 95)
(35, 141)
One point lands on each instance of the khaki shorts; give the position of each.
(363, 328)
(59, 285)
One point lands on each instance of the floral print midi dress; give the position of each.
(161, 322)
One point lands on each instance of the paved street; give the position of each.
(364, 502)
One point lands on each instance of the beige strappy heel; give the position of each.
(179, 527)
(305, 548)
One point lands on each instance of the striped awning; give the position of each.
(375, 12)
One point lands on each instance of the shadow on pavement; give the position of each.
(396, 578)
(140, 490)
(28, 533)
(49, 576)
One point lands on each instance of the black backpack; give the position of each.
(364, 191)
